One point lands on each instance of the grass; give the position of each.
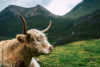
(75, 54)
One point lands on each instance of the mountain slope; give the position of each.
(86, 27)
(84, 8)
(63, 29)
(27, 12)
(37, 17)
(10, 21)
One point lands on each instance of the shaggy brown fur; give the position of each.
(18, 52)
(13, 53)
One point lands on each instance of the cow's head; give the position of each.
(35, 39)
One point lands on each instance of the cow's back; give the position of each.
(4, 46)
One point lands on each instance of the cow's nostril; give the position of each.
(51, 48)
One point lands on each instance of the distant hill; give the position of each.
(64, 28)
(37, 17)
(86, 27)
(84, 8)
(27, 12)
(10, 21)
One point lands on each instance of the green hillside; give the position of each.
(75, 54)
(84, 28)
(84, 8)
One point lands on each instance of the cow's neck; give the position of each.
(19, 53)
(27, 55)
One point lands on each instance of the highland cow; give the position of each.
(18, 52)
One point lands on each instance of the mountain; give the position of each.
(9, 17)
(84, 8)
(64, 28)
(84, 28)
(13, 10)
(36, 17)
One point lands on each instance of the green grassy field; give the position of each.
(75, 54)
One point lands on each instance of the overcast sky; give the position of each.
(58, 7)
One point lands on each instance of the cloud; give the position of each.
(3, 4)
(29, 3)
(61, 7)
(58, 7)
(23, 3)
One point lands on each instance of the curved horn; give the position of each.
(46, 29)
(24, 24)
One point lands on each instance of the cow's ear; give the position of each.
(21, 38)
